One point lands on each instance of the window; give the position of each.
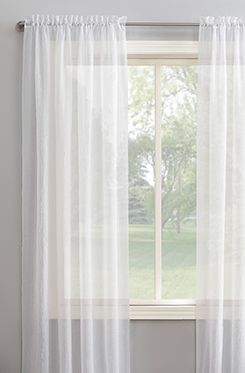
(162, 180)
(162, 189)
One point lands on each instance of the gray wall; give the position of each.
(157, 346)
(163, 346)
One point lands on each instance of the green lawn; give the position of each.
(178, 261)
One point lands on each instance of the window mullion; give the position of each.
(158, 186)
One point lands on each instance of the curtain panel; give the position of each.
(75, 208)
(221, 196)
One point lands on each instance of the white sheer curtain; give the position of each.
(221, 197)
(75, 255)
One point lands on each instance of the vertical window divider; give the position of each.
(158, 186)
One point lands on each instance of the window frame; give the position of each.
(139, 51)
(154, 53)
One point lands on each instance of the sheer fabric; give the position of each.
(75, 256)
(221, 197)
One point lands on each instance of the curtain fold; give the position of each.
(74, 199)
(221, 196)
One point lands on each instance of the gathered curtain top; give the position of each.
(222, 20)
(73, 20)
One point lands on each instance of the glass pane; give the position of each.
(141, 181)
(178, 172)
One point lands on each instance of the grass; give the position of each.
(178, 261)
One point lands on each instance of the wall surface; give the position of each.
(162, 346)
(157, 347)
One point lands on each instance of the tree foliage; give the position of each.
(178, 123)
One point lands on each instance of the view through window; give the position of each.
(162, 179)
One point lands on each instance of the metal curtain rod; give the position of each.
(21, 24)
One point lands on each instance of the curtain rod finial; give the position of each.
(20, 26)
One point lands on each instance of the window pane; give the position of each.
(141, 181)
(178, 173)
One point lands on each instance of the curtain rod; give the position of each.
(21, 24)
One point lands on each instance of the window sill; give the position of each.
(162, 312)
(141, 311)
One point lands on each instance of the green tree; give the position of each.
(141, 145)
(178, 144)
(137, 211)
(178, 88)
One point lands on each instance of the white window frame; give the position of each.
(138, 53)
